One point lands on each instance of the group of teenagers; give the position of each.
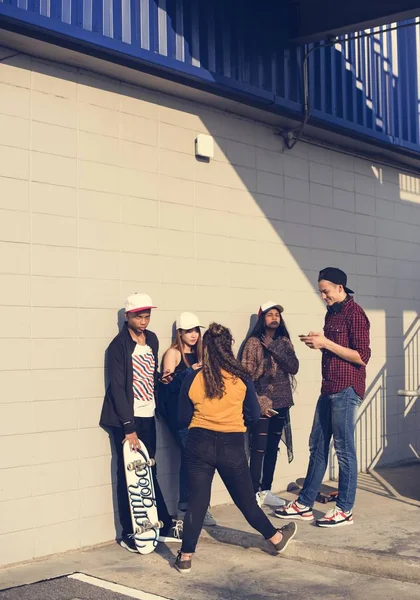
(209, 399)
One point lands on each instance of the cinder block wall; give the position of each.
(101, 196)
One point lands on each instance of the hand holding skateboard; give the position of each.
(133, 441)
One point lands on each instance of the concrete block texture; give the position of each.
(101, 196)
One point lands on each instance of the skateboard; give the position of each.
(142, 498)
(325, 495)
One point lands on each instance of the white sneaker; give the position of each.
(258, 499)
(267, 497)
(172, 534)
(336, 518)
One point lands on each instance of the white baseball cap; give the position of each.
(270, 304)
(137, 302)
(187, 320)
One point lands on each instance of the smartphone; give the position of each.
(164, 378)
(272, 412)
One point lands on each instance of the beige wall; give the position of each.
(101, 196)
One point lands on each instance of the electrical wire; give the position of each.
(9, 56)
(292, 136)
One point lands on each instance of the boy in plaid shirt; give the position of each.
(345, 354)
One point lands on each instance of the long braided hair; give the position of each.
(218, 355)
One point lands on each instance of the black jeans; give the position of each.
(264, 441)
(207, 451)
(146, 432)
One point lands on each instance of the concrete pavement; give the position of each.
(384, 540)
(378, 557)
(220, 572)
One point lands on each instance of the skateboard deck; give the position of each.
(142, 498)
(325, 494)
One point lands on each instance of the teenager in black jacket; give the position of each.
(128, 410)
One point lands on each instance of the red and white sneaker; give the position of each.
(295, 510)
(336, 518)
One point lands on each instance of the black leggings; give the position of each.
(264, 440)
(207, 451)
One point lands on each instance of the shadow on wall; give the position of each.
(386, 426)
(172, 460)
(252, 322)
(114, 458)
(368, 74)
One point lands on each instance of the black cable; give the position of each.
(292, 136)
(10, 56)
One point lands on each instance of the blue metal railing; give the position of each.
(369, 86)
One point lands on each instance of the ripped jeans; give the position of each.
(264, 439)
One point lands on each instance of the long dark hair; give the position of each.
(281, 331)
(218, 355)
(259, 328)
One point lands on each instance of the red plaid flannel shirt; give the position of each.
(349, 328)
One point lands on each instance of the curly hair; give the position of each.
(218, 356)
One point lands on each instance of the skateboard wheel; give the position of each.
(149, 527)
(140, 464)
(132, 466)
(141, 529)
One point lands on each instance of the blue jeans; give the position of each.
(335, 416)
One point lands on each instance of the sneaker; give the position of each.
(127, 542)
(267, 497)
(288, 532)
(182, 566)
(258, 499)
(336, 518)
(172, 534)
(209, 520)
(295, 510)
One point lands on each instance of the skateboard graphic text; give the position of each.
(142, 500)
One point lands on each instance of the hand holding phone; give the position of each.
(271, 412)
(167, 377)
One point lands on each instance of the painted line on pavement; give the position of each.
(115, 587)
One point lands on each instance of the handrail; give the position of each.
(409, 393)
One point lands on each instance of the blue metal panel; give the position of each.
(367, 86)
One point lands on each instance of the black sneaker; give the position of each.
(127, 542)
(172, 534)
(288, 532)
(183, 566)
